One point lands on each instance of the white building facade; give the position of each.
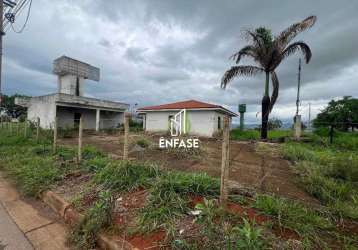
(202, 119)
(69, 104)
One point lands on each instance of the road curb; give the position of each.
(71, 217)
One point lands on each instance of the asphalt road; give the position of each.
(11, 237)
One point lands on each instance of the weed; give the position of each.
(189, 183)
(253, 134)
(163, 207)
(143, 143)
(91, 152)
(186, 153)
(84, 234)
(65, 153)
(126, 176)
(250, 236)
(293, 215)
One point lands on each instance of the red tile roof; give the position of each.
(190, 104)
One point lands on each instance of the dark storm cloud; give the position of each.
(160, 51)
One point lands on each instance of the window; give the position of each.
(77, 86)
(77, 117)
(219, 122)
(169, 120)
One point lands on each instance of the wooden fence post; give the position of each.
(80, 133)
(331, 132)
(25, 128)
(55, 135)
(37, 129)
(126, 136)
(225, 162)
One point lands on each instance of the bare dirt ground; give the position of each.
(249, 167)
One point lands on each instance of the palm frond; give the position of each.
(294, 47)
(255, 39)
(246, 70)
(275, 86)
(248, 50)
(291, 32)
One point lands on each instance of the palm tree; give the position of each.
(268, 52)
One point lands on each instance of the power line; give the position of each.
(12, 9)
(26, 21)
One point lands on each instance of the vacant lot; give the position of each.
(154, 206)
(250, 165)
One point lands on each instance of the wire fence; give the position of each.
(50, 132)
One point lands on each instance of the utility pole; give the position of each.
(1, 38)
(10, 18)
(309, 115)
(297, 120)
(298, 87)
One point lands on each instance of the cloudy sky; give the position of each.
(159, 51)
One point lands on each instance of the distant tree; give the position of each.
(268, 51)
(13, 110)
(343, 113)
(274, 123)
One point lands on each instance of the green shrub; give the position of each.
(84, 234)
(126, 176)
(250, 236)
(91, 152)
(293, 215)
(162, 208)
(297, 152)
(237, 134)
(189, 183)
(66, 153)
(143, 143)
(96, 164)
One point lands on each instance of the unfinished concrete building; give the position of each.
(69, 104)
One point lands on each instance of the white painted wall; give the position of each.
(201, 122)
(158, 121)
(109, 119)
(67, 85)
(65, 116)
(43, 107)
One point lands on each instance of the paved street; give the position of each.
(11, 237)
(27, 223)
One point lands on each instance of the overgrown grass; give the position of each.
(124, 176)
(328, 172)
(144, 143)
(253, 134)
(34, 166)
(99, 216)
(293, 215)
(168, 198)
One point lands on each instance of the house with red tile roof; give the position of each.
(202, 119)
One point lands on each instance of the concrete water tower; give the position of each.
(242, 110)
(72, 74)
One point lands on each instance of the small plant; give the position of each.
(84, 234)
(143, 143)
(250, 236)
(91, 152)
(293, 215)
(126, 176)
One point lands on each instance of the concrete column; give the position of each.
(98, 117)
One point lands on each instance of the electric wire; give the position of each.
(26, 21)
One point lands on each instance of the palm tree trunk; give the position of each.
(265, 108)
